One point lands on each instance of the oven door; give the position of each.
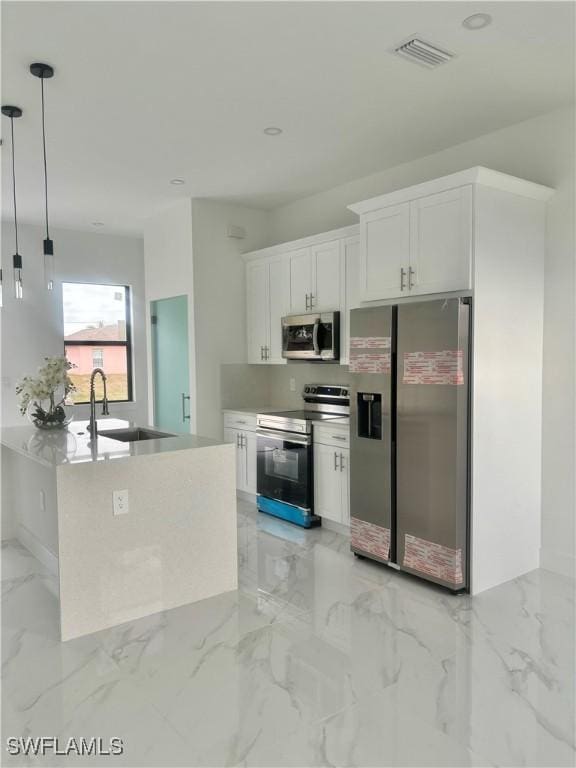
(311, 337)
(284, 471)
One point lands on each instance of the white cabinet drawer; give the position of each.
(338, 435)
(245, 421)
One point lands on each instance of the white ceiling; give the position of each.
(147, 91)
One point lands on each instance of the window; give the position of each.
(97, 334)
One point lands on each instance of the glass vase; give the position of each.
(45, 415)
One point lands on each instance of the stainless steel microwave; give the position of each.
(314, 336)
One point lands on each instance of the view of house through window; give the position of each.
(97, 335)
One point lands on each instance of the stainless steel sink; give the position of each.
(133, 434)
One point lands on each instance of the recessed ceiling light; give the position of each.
(97, 223)
(477, 21)
(177, 182)
(272, 131)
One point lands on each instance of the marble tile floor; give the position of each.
(319, 659)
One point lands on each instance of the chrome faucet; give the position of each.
(93, 426)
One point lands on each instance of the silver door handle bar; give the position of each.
(402, 278)
(184, 398)
(284, 436)
(315, 336)
(335, 461)
(411, 274)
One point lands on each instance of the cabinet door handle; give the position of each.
(341, 462)
(307, 300)
(338, 437)
(242, 441)
(411, 274)
(184, 398)
(312, 297)
(238, 441)
(266, 353)
(402, 278)
(335, 461)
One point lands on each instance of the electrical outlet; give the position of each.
(120, 502)
(292, 385)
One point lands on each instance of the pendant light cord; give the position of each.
(14, 184)
(45, 164)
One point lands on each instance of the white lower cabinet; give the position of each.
(245, 442)
(332, 482)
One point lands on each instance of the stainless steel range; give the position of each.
(285, 479)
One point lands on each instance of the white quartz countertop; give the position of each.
(74, 446)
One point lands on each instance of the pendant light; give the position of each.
(44, 72)
(12, 113)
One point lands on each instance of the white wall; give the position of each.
(169, 271)
(33, 328)
(541, 150)
(219, 298)
(188, 251)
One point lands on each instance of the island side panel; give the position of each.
(176, 545)
(29, 506)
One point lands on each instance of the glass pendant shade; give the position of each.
(49, 264)
(18, 285)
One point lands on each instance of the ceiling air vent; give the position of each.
(423, 53)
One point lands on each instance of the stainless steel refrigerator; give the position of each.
(409, 431)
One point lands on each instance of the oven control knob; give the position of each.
(313, 390)
(306, 389)
(344, 393)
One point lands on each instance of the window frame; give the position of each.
(109, 343)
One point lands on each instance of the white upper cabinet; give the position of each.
(417, 247)
(326, 295)
(441, 242)
(315, 278)
(267, 301)
(301, 281)
(419, 240)
(257, 306)
(385, 252)
(279, 306)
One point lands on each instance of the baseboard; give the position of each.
(344, 530)
(246, 496)
(40, 552)
(558, 562)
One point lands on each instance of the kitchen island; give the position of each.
(130, 527)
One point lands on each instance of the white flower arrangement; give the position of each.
(51, 378)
